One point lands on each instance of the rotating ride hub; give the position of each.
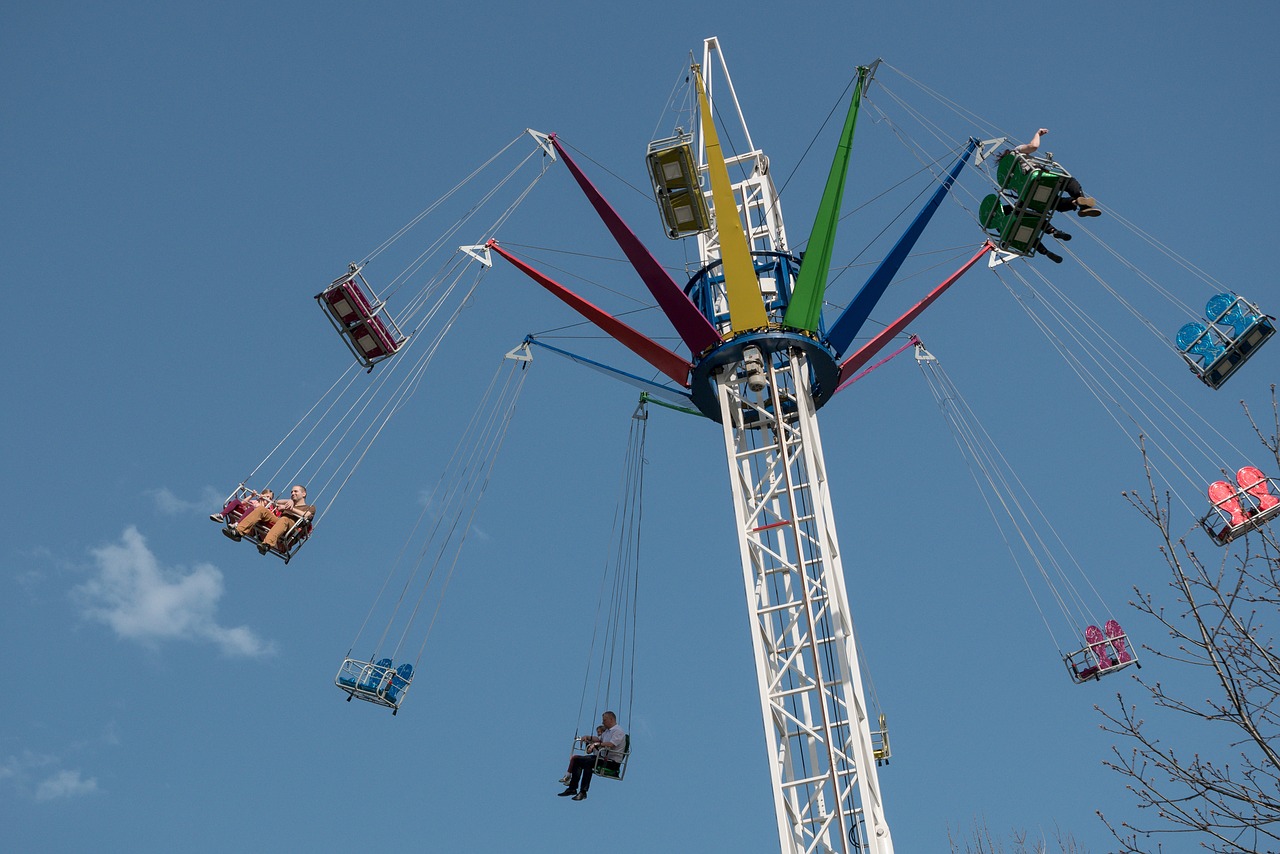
(753, 349)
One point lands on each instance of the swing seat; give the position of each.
(1102, 654)
(288, 544)
(1034, 184)
(373, 341)
(1018, 231)
(1250, 329)
(1237, 510)
(399, 683)
(677, 186)
(1233, 311)
(1194, 339)
(880, 743)
(1035, 181)
(379, 683)
(605, 767)
(369, 332)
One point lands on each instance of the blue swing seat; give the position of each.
(1214, 354)
(380, 683)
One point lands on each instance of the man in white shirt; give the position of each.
(609, 747)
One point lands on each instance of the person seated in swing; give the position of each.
(1050, 230)
(608, 747)
(238, 509)
(584, 739)
(282, 517)
(1073, 197)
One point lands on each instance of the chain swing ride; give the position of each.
(762, 360)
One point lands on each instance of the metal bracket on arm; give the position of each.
(544, 142)
(520, 353)
(988, 147)
(480, 252)
(999, 256)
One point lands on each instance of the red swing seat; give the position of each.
(368, 330)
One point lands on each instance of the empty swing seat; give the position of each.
(399, 683)
(677, 186)
(370, 333)
(1106, 651)
(1249, 330)
(1194, 339)
(373, 340)
(880, 742)
(380, 683)
(1236, 509)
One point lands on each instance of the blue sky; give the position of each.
(180, 180)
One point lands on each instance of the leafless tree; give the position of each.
(1225, 606)
(980, 840)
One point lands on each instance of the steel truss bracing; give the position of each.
(817, 728)
(826, 790)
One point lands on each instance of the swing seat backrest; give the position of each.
(374, 676)
(1041, 191)
(1223, 496)
(1227, 310)
(1011, 173)
(1194, 340)
(348, 674)
(347, 302)
(991, 215)
(1097, 642)
(399, 681)
(373, 340)
(603, 770)
(1254, 482)
(1017, 232)
(1116, 635)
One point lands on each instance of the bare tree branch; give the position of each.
(1221, 624)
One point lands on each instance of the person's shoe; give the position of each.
(1086, 202)
(564, 781)
(1088, 212)
(217, 517)
(1061, 235)
(581, 796)
(262, 547)
(1052, 256)
(232, 533)
(566, 793)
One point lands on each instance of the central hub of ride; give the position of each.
(754, 349)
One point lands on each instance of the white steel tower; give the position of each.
(762, 362)
(822, 761)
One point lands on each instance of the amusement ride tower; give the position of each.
(763, 362)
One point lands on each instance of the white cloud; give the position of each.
(146, 602)
(17, 767)
(168, 504)
(65, 784)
